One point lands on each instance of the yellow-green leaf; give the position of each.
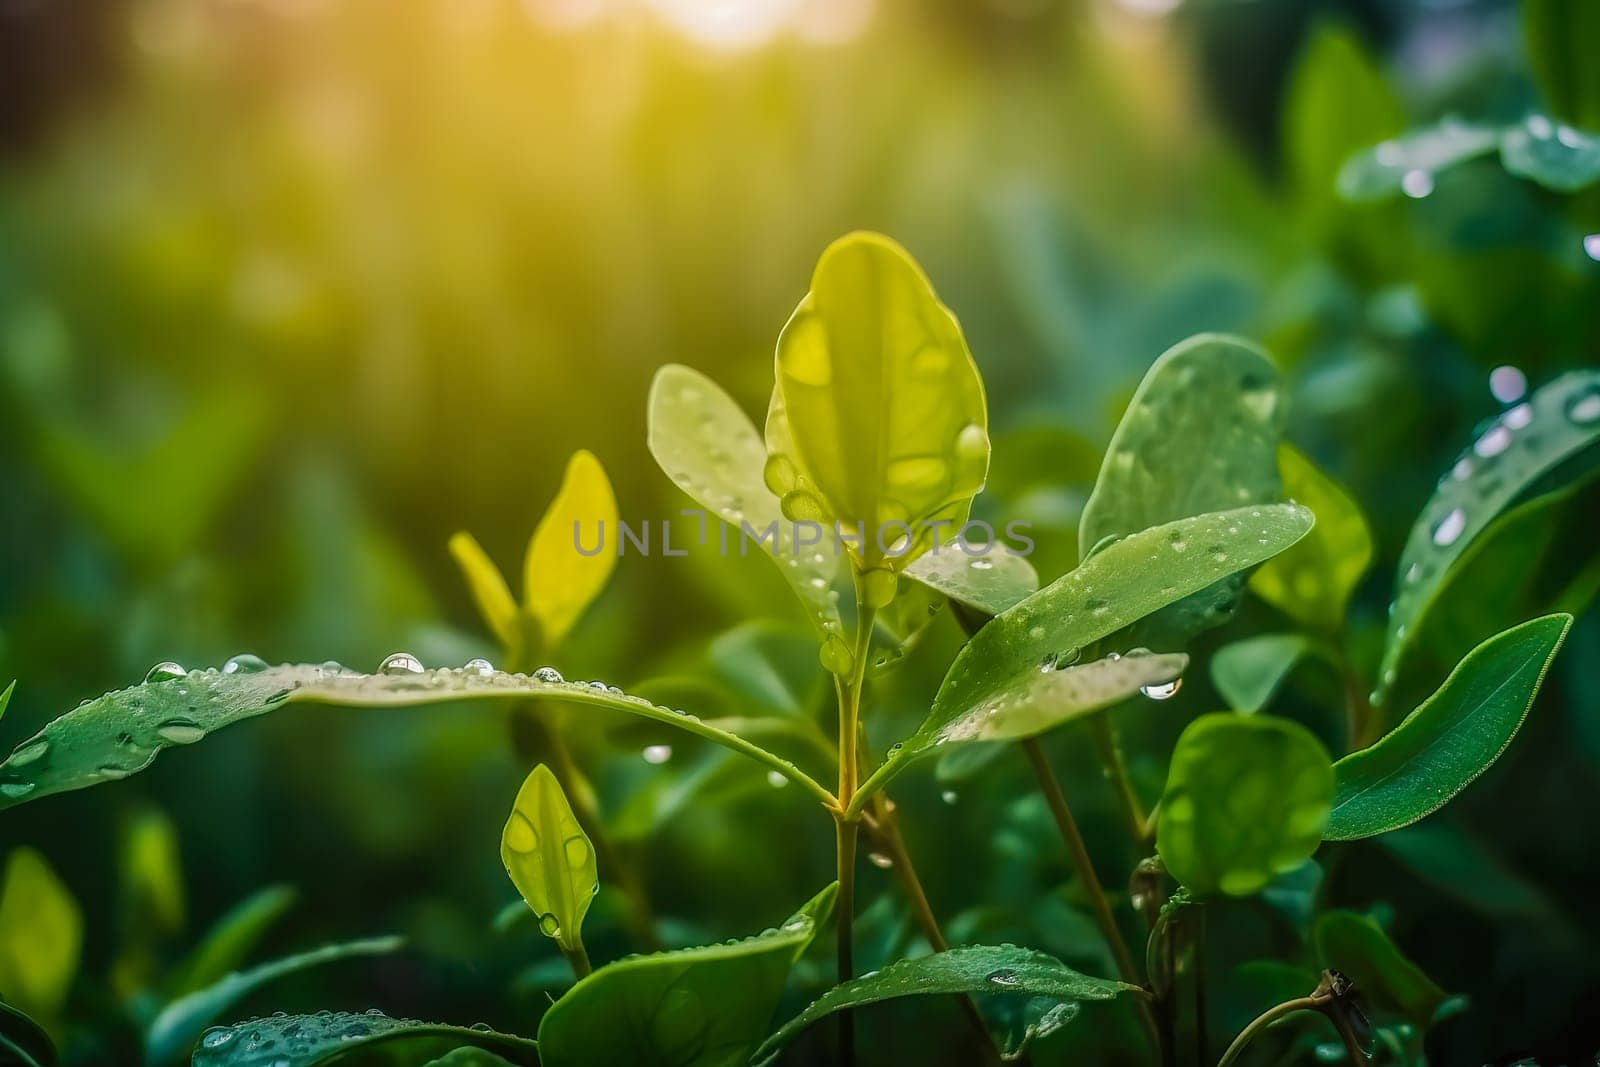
(41, 932)
(1312, 580)
(564, 571)
(488, 587)
(152, 873)
(878, 420)
(550, 858)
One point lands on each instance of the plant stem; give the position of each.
(849, 694)
(1360, 718)
(1133, 813)
(578, 958)
(887, 829)
(1081, 862)
(1266, 1019)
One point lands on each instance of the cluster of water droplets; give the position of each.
(281, 1040)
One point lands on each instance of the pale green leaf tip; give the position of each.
(5, 697)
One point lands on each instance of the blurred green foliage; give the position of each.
(292, 290)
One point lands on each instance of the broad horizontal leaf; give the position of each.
(974, 969)
(1555, 155)
(232, 938)
(1408, 164)
(990, 583)
(345, 1038)
(1247, 798)
(23, 1042)
(697, 1007)
(1248, 673)
(1357, 947)
(1511, 455)
(878, 420)
(1035, 703)
(1449, 740)
(1115, 587)
(41, 936)
(173, 1032)
(1199, 436)
(706, 444)
(120, 733)
(549, 858)
(1312, 581)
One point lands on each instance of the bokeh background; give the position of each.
(290, 290)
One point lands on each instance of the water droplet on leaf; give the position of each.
(400, 663)
(167, 671)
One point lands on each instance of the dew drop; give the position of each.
(881, 860)
(1591, 246)
(878, 587)
(218, 1037)
(1162, 690)
(657, 754)
(549, 925)
(548, 675)
(166, 671)
(180, 731)
(1416, 184)
(16, 790)
(576, 849)
(480, 667)
(1450, 528)
(244, 663)
(949, 796)
(982, 564)
(400, 663)
(1508, 384)
(1584, 407)
(776, 780)
(520, 834)
(1518, 417)
(30, 753)
(1495, 440)
(1003, 977)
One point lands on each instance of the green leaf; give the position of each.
(1005, 970)
(232, 938)
(1560, 36)
(468, 1057)
(347, 1038)
(771, 665)
(1555, 155)
(23, 1042)
(1450, 740)
(1409, 163)
(41, 935)
(1112, 589)
(152, 874)
(550, 859)
(174, 1032)
(878, 417)
(698, 1006)
(1248, 673)
(561, 576)
(1513, 454)
(1033, 704)
(1355, 945)
(989, 584)
(1199, 436)
(1247, 798)
(1312, 581)
(87, 745)
(711, 450)
(1337, 102)
(5, 697)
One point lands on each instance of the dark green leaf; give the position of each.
(23, 1042)
(175, 1030)
(1560, 36)
(371, 1039)
(89, 745)
(1199, 436)
(1034, 704)
(975, 969)
(1452, 738)
(1512, 454)
(698, 1006)
(1355, 945)
(1248, 673)
(1247, 798)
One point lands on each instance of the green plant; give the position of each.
(877, 432)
